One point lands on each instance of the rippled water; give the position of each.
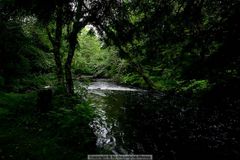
(111, 103)
(135, 121)
(106, 124)
(104, 84)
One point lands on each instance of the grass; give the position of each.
(62, 133)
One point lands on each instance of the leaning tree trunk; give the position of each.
(139, 69)
(77, 26)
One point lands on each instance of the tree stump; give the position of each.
(44, 99)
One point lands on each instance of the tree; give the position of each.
(119, 29)
(181, 39)
(45, 14)
(57, 40)
(22, 50)
(75, 15)
(84, 12)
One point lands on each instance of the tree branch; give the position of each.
(50, 36)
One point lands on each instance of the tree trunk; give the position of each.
(139, 69)
(56, 43)
(44, 100)
(77, 26)
(68, 72)
(146, 79)
(57, 46)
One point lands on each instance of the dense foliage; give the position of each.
(92, 58)
(183, 48)
(177, 40)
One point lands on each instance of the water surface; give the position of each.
(135, 121)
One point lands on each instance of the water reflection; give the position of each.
(119, 117)
(169, 127)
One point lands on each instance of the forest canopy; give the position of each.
(186, 50)
(162, 41)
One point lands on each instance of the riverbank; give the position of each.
(116, 119)
(61, 133)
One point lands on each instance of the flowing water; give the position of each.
(136, 121)
(127, 121)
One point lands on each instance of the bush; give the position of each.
(63, 133)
